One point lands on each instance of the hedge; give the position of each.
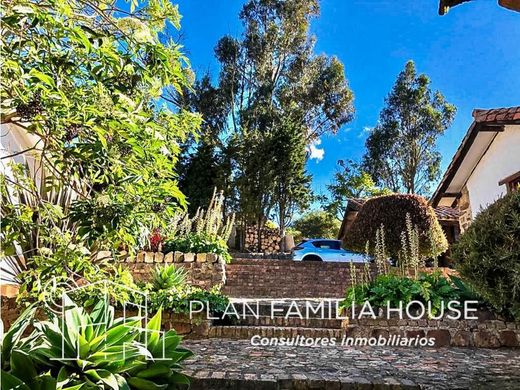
(488, 254)
(390, 211)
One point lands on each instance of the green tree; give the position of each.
(274, 83)
(204, 163)
(85, 79)
(350, 181)
(292, 188)
(401, 150)
(317, 224)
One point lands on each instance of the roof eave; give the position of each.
(457, 159)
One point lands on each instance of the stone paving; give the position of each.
(236, 364)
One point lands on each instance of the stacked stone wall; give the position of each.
(204, 270)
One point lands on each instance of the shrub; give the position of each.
(51, 272)
(393, 289)
(317, 224)
(390, 212)
(488, 254)
(178, 299)
(91, 351)
(198, 243)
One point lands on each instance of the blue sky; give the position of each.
(472, 55)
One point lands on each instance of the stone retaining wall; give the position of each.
(204, 270)
(195, 328)
(486, 332)
(482, 333)
(262, 256)
(9, 311)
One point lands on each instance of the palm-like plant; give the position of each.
(34, 207)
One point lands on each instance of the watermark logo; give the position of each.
(57, 298)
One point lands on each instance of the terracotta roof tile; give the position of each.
(447, 213)
(487, 118)
(497, 114)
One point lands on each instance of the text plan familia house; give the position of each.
(486, 165)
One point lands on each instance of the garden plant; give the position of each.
(411, 229)
(393, 290)
(96, 350)
(488, 255)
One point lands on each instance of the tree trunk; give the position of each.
(281, 218)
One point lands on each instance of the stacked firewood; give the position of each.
(270, 240)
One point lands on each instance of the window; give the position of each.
(336, 245)
(512, 182)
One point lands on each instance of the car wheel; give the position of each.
(312, 258)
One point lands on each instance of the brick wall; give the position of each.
(252, 278)
(9, 311)
(262, 278)
(486, 332)
(260, 256)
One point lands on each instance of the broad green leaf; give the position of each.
(121, 381)
(15, 331)
(104, 376)
(178, 378)
(76, 387)
(47, 382)
(155, 370)
(42, 77)
(22, 366)
(84, 346)
(154, 327)
(9, 381)
(143, 384)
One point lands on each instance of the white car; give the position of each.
(321, 249)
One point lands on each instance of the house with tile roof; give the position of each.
(485, 166)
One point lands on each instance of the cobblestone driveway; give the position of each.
(221, 364)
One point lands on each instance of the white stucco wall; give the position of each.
(500, 161)
(15, 139)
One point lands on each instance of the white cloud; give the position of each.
(315, 152)
(366, 131)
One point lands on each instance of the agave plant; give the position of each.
(161, 371)
(167, 277)
(79, 351)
